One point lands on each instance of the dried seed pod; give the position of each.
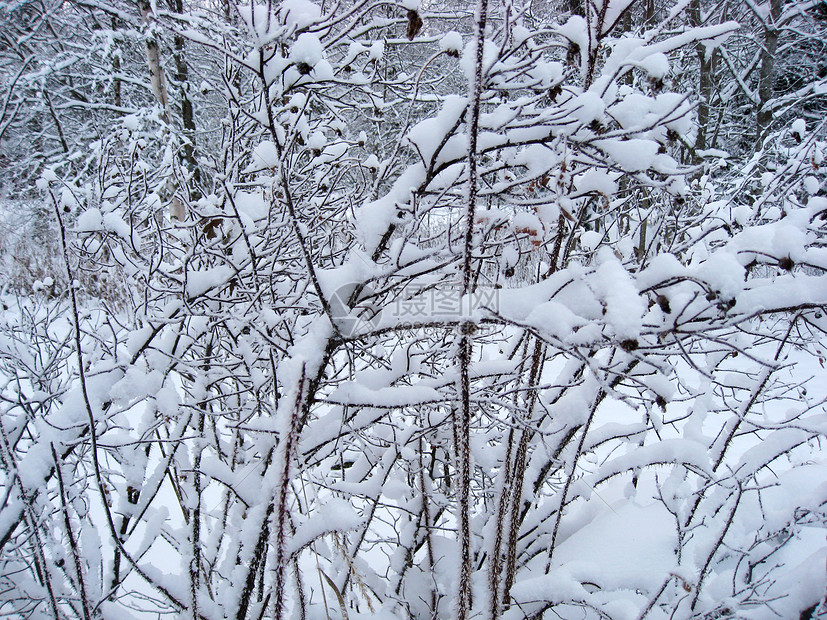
(555, 91)
(573, 54)
(132, 494)
(211, 228)
(414, 24)
(629, 345)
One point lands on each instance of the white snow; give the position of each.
(811, 185)
(656, 65)
(624, 306)
(596, 180)
(427, 135)
(451, 42)
(588, 107)
(199, 282)
(376, 50)
(372, 162)
(307, 49)
(299, 13)
(590, 239)
(399, 396)
(576, 30)
(631, 111)
(90, 220)
(651, 388)
(628, 545)
(265, 156)
(633, 155)
(554, 318)
(374, 218)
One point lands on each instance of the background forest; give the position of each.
(413, 309)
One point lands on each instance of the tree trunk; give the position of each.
(153, 59)
(187, 111)
(707, 61)
(766, 77)
(116, 68)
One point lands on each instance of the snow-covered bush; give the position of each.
(450, 322)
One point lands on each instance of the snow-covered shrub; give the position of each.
(451, 322)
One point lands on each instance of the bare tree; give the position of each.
(442, 305)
